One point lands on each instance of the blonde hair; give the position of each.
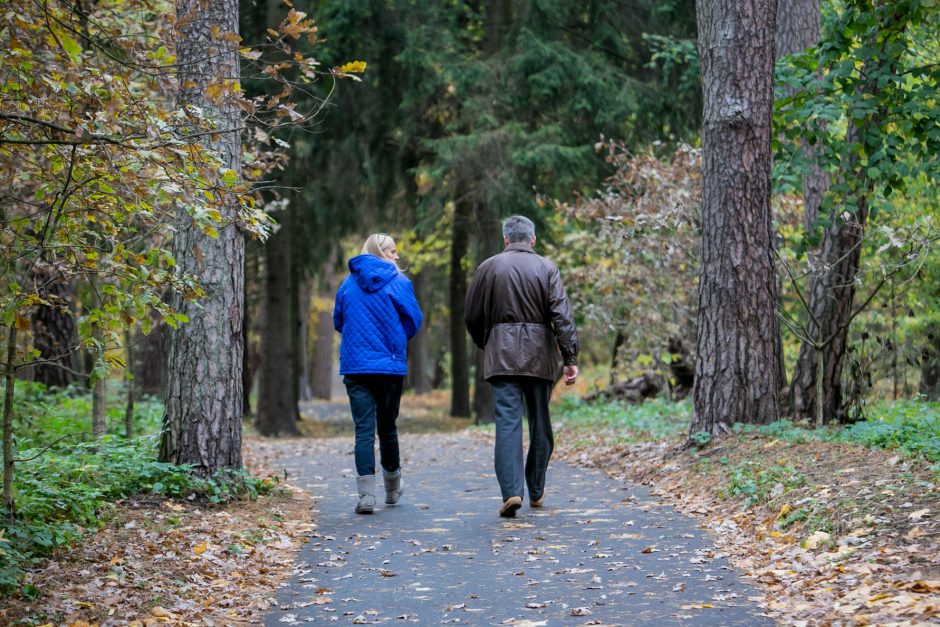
(379, 244)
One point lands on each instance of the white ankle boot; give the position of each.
(394, 486)
(366, 487)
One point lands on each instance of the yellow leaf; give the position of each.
(200, 548)
(786, 509)
(353, 67)
(698, 606)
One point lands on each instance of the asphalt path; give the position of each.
(598, 552)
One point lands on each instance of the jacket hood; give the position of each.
(372, 273)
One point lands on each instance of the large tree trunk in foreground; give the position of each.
(203, 421)
(459, 366)
(737, 351)
(277, 412)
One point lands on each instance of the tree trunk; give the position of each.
(797, 30)
(459, 366)
(8, 457)
(203, 420)
(322, 368)
(129, 360)
(150, 358)
(98, 424)
(831, 297)
(419, 349)
(277, 412)
(832, 282)
(305, 309)
(930, 365)
(489, 237)
(54, 333)
(737, 350)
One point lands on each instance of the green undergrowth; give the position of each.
(43, 415)
(655, 419)
(908, 426)
(65, 487)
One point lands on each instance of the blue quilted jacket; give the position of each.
(377, 313)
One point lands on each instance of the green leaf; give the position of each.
(71, 46)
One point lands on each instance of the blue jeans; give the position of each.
(374, 400)
(513, 396)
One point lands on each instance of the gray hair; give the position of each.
(518, 229)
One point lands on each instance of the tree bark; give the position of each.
(930, 365)
(150, 358)
(277, 412)
(737, 350)
(305, 294)
(419, 349)
(54, 333)
(131, 384)
(833, 281)
(489, 238)
(98, 424)
(322, 367)
(459, 366)
(203, 420)
(8, 463)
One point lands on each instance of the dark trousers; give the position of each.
(374, 400)
(512, 396)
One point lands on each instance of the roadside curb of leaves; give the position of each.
(174, 562)
(879, 562)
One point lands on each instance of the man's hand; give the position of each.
(571, 375)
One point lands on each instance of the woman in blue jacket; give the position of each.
(377, 313)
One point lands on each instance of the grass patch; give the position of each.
(909, 426)
(43, 415)
(655, 419)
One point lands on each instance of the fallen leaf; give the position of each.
(918, 514)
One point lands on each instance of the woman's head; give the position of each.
(381, 245)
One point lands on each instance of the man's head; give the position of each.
(518, 229)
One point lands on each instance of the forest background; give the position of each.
(433, 121)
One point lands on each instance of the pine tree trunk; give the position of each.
(489, 239)
(737, 350)
(54, 333)
(459, 366)
(419, 349)
(322, 368)
(277, 411)
(202, 424)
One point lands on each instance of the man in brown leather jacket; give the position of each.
(517, 311)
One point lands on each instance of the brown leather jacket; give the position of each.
(517, 311)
